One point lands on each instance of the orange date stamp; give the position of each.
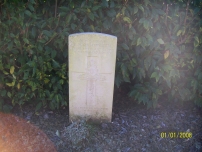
(182, 135)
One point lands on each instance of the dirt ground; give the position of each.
(170, 127)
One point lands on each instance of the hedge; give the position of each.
(159, 48)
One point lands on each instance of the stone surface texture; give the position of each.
(92, 58)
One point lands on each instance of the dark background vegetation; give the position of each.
(159, 48)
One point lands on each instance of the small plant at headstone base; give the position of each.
(159, 47)
(79, 133)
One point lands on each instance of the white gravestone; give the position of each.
(92, 58)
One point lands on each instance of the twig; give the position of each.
(186, 12)
(4, 2)
(166, 13)
(56, 7)
(58, 22)
(50, 39)
(166, 21)
(184, 39)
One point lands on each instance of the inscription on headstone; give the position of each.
(91, 75)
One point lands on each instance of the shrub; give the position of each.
(159, 48)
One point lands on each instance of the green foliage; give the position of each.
(31, 66)
(159, 47)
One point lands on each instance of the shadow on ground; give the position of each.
(134, 128)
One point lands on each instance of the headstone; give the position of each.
(92, 59)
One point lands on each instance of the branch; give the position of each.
(50, 39)
(166, 13)
(58, 22)
(186, 12)
(56, 7)
(166, 25)
(184, 39)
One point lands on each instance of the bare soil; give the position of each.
(171, 127)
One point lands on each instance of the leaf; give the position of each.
(14, 76)
(147, 62)
(107, 24)
(32, 1)
(53, 54)
(64, 9)
(12, 69)
(200, 76)
(56, 98)
(160, 41)
(196, 44)
(197, 39)
(105, 3)
(68, 19)
(126, 78)
(111, 4)
(3, 93)
(10, 84)
(138, 41)
(26, 40)
(95, 7)
(28, 13)
(57, 133)
(47, 33)
(153, 96)
(46, 80)
(91, 16)
(12, 35)
(31, 7)
(141, 8)
(158, 127)
(10, 45)
(142, 20)
(123, 69)
(146, 24)
(33, 71)
(132, 93)
(73, 26)
(111, 13)
(92, 27)
(125, 72)
(9, 94)
(125, 46)
(159, 91)
(127, 19)
(118, 15)
(135, 10)
(172, 73)
(168, 83)
(155, 75)
(134, 72)
(179, 32)
(38, 106)
(166, 54)
(34, 32)
(142, 73)
(61, 81)
(194, 84)
(6, 73)
(18, 86)
(7, 108)
(55, 64)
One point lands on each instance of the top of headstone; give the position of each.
(93, 33)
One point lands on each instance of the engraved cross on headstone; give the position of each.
(92, 75)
